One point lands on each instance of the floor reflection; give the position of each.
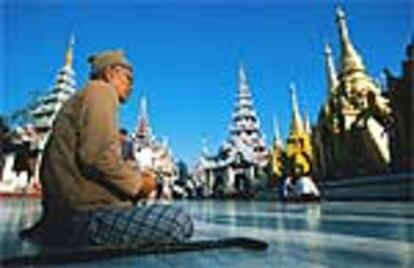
(300, 235)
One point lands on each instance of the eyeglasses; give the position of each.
(126, 74)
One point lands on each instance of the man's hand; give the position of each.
(148, 183)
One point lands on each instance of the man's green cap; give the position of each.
(108, 58)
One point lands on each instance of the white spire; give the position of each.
(350, 59)
(165, 142)
(332, 78)
(143, 109)
(242, 74)
(245, 125)
(143, 132)
(297, 123)
(244, 90)
(204, 146)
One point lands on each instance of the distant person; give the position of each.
(126, 145)
(306, 189)
(299, 186)
(287, 188)
(89, 192)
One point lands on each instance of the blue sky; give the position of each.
(186, 55)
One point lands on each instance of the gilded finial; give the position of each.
(297, 123)
(332, 80)
(69, 52)
(350, 59)
(277, 138)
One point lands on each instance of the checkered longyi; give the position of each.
(142, 225)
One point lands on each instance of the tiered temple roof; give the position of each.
(245, 138)
(46, 108)
(148, 152)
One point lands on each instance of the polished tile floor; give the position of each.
(330, 234)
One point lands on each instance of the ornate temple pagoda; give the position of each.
(236, 168)
(47, 107)
(352, 124)
(32, 134)
(148, 152)
(299, 151)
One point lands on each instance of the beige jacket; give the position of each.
(82, 167)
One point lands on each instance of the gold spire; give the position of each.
(299, 141)
(69, 52)
(296, 126)
(353, 78)
(276, 151)
(332, 79)
(277, 139)
(350, 59)
(307, 124)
